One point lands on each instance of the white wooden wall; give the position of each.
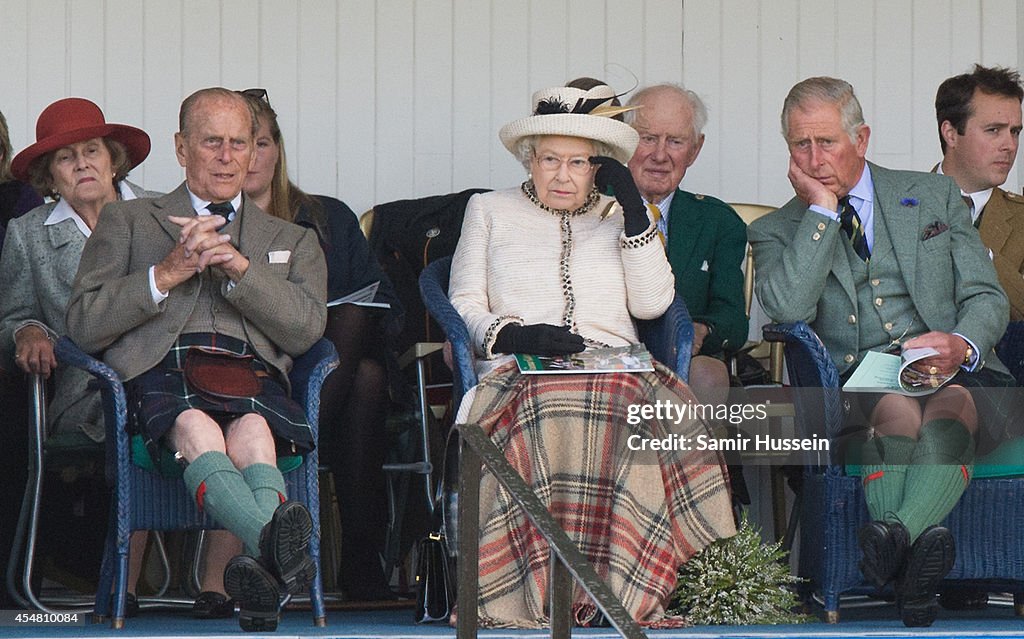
(389, 99)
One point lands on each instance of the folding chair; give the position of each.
(44, 454)
(757, 349)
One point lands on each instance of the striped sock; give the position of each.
(267, 486)
(219, 489)
(939, 473)
(884, 467)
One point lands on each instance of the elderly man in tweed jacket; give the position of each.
(202, 280)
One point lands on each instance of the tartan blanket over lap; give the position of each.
(637, 515)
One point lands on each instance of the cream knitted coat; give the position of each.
(506, 270)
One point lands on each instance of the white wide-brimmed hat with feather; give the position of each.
(576, 113)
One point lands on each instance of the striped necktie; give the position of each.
(969, 201)
(656, 214)
(849, 221)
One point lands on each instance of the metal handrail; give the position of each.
(475, 448)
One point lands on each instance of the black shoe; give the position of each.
(131, 605)
(256, 591)
(884, 545)
(213, 605)
(963, 599)
(930, 559)
(284, 546)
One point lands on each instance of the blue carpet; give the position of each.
(876, 623)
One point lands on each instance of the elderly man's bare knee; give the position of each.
(952, 402)
(709, 379)
(897, 415)
(250, 441)
(194, 433)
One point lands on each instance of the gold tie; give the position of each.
(656, 214)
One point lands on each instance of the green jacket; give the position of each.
(707, 243)
(802, 273)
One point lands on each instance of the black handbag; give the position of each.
(435, 595)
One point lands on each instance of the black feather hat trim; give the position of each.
(549, 106)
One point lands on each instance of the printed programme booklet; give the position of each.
(362, 297)
(633, 359)
(885, 373)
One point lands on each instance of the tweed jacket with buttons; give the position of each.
(803, 272)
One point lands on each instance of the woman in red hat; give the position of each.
(80, 162)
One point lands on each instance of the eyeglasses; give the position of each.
(576, 166)
(256, 94)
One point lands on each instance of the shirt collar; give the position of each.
(978, 199)
(864, 190)
(666, 204)
(663, 206)
(63, 211)
(200, 205)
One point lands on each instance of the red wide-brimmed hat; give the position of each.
(72, 120)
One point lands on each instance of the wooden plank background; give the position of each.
(400, 98)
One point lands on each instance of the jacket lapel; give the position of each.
(995, 222)
(684, 234)
(901, 221)
(62, 234)
(256, 232)
(175, 203)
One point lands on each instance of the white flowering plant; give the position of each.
(738, 581)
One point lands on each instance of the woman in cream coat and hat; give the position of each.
(554, 267)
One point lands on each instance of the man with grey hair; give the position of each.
(704, 237)
(881, 260)
(200, 301)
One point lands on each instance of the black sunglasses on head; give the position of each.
(257, 94)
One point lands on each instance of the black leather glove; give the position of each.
(611, 172)
(538, 339)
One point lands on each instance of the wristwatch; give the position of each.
(968, 356)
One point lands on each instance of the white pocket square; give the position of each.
(704, 266)
(279, 257)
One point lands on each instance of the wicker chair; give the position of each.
(668, 338)
(987, 523)
(147, 500)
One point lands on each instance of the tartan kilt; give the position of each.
(158, 396)
(637, 515)
(996, 399)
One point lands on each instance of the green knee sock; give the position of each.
(267, 486)
(884, 466)
(938, 475)
(219, 489)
